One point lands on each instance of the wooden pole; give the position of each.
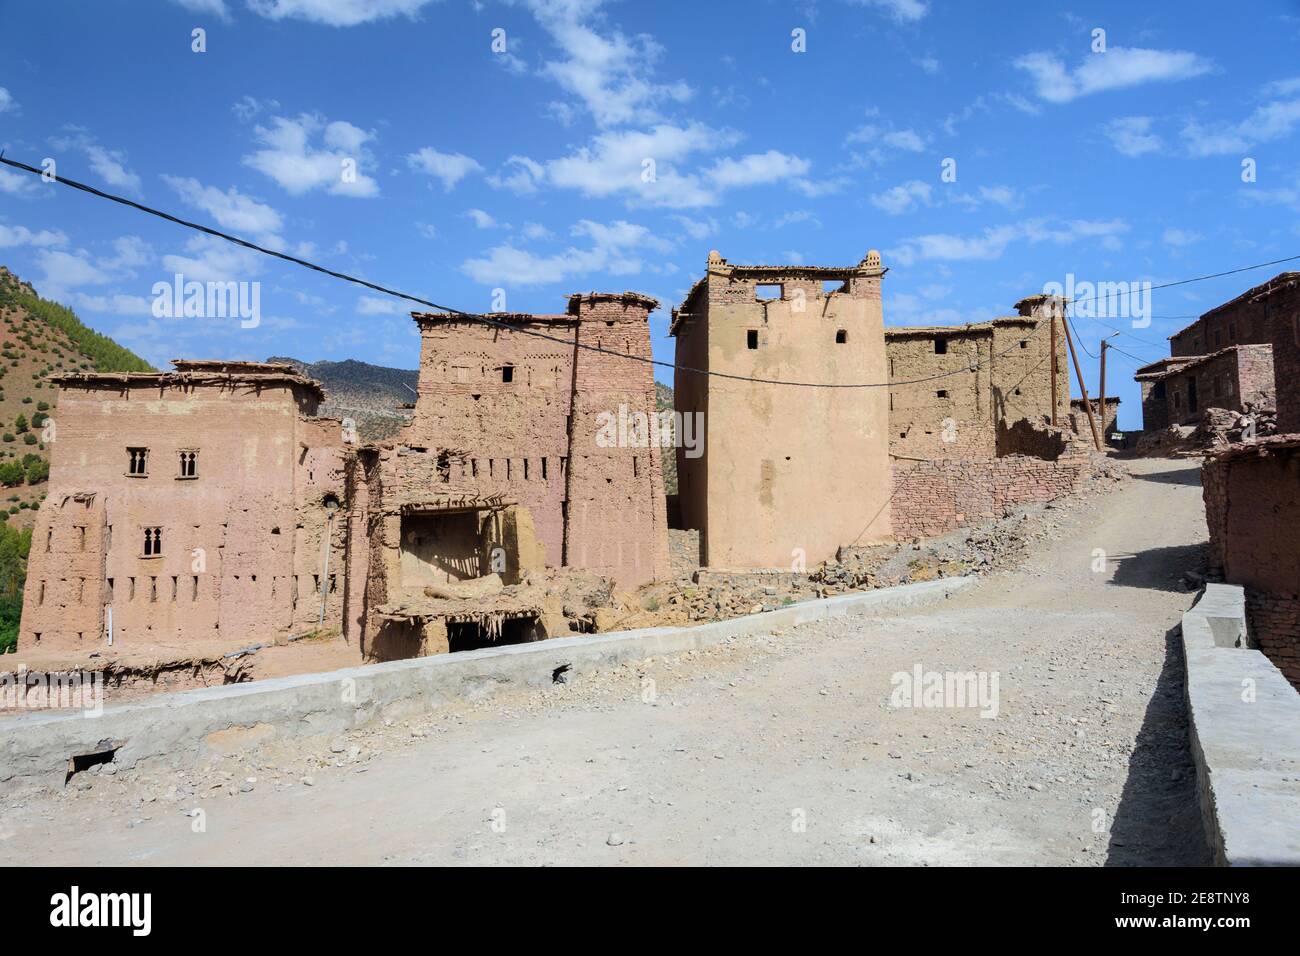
(1052, 317)
(1101, 399)
(1078, 373)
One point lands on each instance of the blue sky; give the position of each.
(526, 168)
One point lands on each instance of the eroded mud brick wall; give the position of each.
(504, 415)
(227, 474)
(493, 411)
(617, 518)
(992, 373)
(787, 470)
(1106, 423)
(1252, 508)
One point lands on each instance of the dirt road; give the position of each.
(783, 749)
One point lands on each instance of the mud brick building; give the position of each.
(1107, 423)
(785, 469)
(1177, 391)
(192, 504)
(994, 373)
(505, 454)
(1279, 300)
(1225, 359)
(1252, 508)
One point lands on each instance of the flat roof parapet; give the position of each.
(199, 372)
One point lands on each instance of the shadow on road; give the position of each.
(1158, 820)
(1157, 569)
(1178, 476)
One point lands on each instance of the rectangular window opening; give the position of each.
(751, 338)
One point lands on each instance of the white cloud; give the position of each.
(902, 198)
(7, 101)
(1180, 237)
(612, 74)
(906, 11)
(65, 270)
(881, 142)
(520, 175)
(249, 106)
(697, 228)
(643, 164)
(1272, 121)
(291, 159)
(109, 165)
(14, 236)
(336, 13)
(231, 209)
(993, 241)
(756, 169)
(1117, 68)
(481, 219)
(214, 260)
(451, 168)
(615, 249)
(373, 305)
(1132, 136)
(216, 8)
(17, 184)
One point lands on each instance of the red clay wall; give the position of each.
(533, 440)
(241, 555)
(935, 497)
(1252, 508)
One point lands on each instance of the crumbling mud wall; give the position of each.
(992, 373)
(518, 416)
(1107, 423)
(1252, 507)
(186, 505)
(787, 471)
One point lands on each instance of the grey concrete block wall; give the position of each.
(174, 729)
(1244, 719)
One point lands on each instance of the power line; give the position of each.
(496, 323)
(1216, 275)
(477, 317)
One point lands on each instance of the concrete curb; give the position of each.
(1247, 751)
(176, 728)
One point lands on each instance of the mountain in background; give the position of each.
(371, 395)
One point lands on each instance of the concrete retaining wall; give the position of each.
(1245, 730)
(175, 728)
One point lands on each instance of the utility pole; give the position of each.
(1052, 318)
(1078, 373)
(1101, 399)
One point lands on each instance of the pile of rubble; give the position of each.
(1218, 427)
(1221, 426)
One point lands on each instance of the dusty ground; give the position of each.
(777, 749)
